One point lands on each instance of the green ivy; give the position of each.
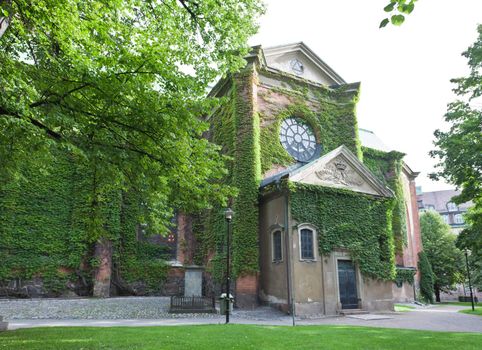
(387, 167)
(252, 140)
(49, 227)
(246, 177)
(330, 112)
(404, 276)
(354, 221)
(36, 234)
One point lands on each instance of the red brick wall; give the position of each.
(247, 291)
(417, 236)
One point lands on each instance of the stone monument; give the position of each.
(193, 281)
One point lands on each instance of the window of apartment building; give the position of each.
(458, 219)
(446, 219)
(451, 206)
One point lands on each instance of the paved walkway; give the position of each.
(435, 318)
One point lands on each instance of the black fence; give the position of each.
(192, 305)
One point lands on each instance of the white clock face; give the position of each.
(298, 139)
(297, 67)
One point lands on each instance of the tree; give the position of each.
(444, 257)
(397, 10)
(120, 85)
(426, 277)
(459, 150)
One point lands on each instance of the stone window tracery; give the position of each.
(298, 139)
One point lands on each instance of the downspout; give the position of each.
(323, 281)
(289, 279)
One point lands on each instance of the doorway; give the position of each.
(347, 284)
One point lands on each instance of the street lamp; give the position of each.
(228, 214)
(468, 275)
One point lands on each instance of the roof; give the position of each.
(339, 168)
(370, 140)
(439, 199)
(308, 53)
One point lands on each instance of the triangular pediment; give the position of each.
(299, 60)
(340, 169)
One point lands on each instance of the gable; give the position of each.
(297, 59)
(340, 169)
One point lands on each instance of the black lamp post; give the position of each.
(468, 276)
(228, 214)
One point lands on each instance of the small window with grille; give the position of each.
(277, 246)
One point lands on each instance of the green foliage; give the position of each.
(37, 234)
(470, 239)
(255, 149)
(426, 278)
(446, 259)
(387, 167)
(46, 221)
(404, 276)
(459, 150)
(345, 219)
(246, 177)
(122, 85)
(138, 261)
(236, 128)
(397, 9)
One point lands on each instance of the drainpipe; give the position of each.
(289, 280)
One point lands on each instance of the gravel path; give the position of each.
(88, 308)
(126, 308)
(152, 311)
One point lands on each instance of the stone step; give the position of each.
(346, 312)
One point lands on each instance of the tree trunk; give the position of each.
(437, 293)
(4, 21)
(103, 254)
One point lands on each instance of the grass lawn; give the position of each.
(477, 311)
(403, 308)
(235, 337)
(458, 303)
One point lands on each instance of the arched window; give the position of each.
(307, 243)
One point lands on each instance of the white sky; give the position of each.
(404, 71)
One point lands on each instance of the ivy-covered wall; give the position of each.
(235, 126)
(39, 232)
(46, 230)
(330, 112)
(247, 127)
(346, 219)
(387, 166)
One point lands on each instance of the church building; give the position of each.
(326, 215)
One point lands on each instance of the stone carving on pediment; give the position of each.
(339, 173)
